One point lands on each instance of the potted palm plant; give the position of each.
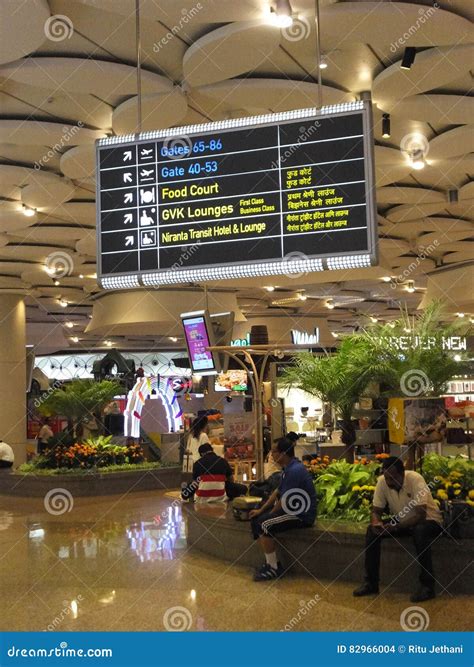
(338, 378)
(78, 400)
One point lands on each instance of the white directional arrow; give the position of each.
(128, 240)
(127, 177)
(127, 156)
(128, 197)
(128, 217)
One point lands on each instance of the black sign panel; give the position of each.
(238, 198)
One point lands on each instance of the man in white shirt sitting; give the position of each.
(7, 456)
(414, 512)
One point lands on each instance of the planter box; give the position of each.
(91, 484)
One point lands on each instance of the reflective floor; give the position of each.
(122, 563)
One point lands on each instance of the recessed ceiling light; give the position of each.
(386, 279)
(410, 287)
(75, 339)
(374, 319)
(330, 305)
(281, 13)
(334, 334)
(62, 303)
(457, 357)
(302, 297)
(56, 282)
(29, 212)
(460, 314)
(108, 343)
(81, 276)
(69, 325)
(269, 288)
(323, 64)
(174, 339)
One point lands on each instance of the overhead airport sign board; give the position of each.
(285, 193)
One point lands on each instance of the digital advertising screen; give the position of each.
(197, 333)
(268, 195)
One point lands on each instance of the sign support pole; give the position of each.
(318, 53)
(139, 65)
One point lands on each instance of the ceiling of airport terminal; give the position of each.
(67, 77)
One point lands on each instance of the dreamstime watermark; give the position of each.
(69, 609)
(305, 607)
(177, 619)
(295, 265)
(306, 132)
(59, 264)
(187, 15)
(295, 502)
(420, 496)
(424, 15)
(415, 144)
(58, 28)
(299, 29)
(414, 619)
(414, 382)
(58, 501)
(177, 147)
(39, 400)
(186, 254)
(424, 253)
(68, 133)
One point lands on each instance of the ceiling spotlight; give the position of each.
(408, 57)
(334, 334)
(330, 304)
(457, 357)
(69, 325)
(453, 196)
(417, 159)
(302, 297)
(407, 330)
(386, 279)
(410, 286)
(62, 303)
(75, 339)
(81, 276)
(281, 14)
(29, 212)
(323, 64)
(56, 282)
(386, 125)
(460, 314)
(173, 339)
(392, 325)
(108, 343)
(374, 319)
(269, 288)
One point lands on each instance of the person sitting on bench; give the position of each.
(414, 513)
(212, 479)
(291, 505)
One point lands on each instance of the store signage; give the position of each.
(278, 194)
(304, 338)
(453, 343)
(241, 342)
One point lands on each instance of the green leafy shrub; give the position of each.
(344, 488)
(97, 452)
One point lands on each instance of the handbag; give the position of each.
(242, 506)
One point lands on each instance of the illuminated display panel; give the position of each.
(277, 194)
(198, 336)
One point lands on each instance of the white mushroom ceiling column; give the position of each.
(68, 77)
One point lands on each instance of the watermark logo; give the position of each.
(424, 253)
(305, 607)
(295, 502)
(414, 142)
(414, 382)
(305, 133)
(177, 147)
(69, 131)
(186, 16)
(424, 14)
(299, 29)
(58, 501)
(177, 619)
(69, 609)
(414, 619)
(59, 264)
(58, 28)
(39, 400)
(294, 264)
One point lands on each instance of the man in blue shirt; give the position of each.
(292, 505)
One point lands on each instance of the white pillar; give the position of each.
(13, 374)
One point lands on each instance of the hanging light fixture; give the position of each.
(386, 125)
(453, 196)
(417, 159)
(29, 212)
(408, 57)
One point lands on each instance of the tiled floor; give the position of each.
(122, 563)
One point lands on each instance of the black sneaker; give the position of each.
(267, 572)
(422, 594)
(365, 589)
